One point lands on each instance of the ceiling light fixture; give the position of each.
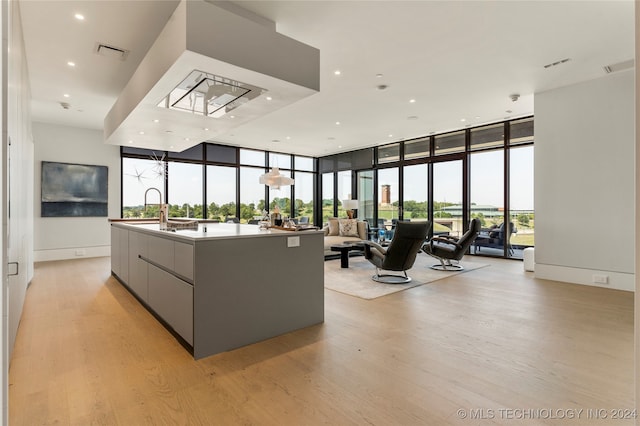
(71, 64)
(514, 97)
(156, 121)
(337, 123)
(274, 179)
(79, 16)
(337, 72)
(412, 101)
(66, 95)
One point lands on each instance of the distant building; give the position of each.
(386, 194)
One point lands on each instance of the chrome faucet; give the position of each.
(159, 198)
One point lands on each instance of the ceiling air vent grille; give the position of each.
(620, 66)
(103, 49)
(556, 63)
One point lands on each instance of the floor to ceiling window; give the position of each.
(366, 204)
(447, 198)
(183, 176)
(185, 190)
(252, 201)
(521, 198)
(487, 199)
(415, 205)
(388, 195)
(344, 191)
(142, 183)
(221, 192)
(327, 197)
(304, 205)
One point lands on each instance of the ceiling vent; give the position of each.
(556, 63)
(103, 49)
(620, 66)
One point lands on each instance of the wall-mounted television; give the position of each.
(70, 190)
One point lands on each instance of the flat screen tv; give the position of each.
(73, 190)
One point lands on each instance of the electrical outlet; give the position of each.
(293, 241)
(80, 252)
(600, 279)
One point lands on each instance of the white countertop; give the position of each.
(210, 231)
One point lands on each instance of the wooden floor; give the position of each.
(490, 346)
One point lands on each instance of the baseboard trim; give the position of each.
(71, 253)
(617, 280)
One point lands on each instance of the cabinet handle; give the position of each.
(17, 268)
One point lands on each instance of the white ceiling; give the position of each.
(459, 61)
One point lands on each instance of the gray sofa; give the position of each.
(336, 234)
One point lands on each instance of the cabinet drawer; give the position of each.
(172, 299)
(183, 259)
(160, 251)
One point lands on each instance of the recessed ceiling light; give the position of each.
(412, 101)
(187, 139)
(170, 146)
(206, 129)
(79, 16)
(66, 95)
(130, 141)
(477, 117)
(232, 116)
(463, 119)
(390, 135)
(379, 75)
(71, 64)
(337, 72)
(288, 137)
(156, 121)
(337, 123)
(269, 98)
(141, 132)
(339, 146)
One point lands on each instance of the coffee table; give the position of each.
(344, 250)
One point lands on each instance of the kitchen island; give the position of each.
(223, 285)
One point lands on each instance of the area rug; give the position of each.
(356, 280)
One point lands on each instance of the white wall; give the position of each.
(64, 238)
(585, 182)
(16, 182)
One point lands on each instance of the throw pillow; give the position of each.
(348, 227)
(334, 229)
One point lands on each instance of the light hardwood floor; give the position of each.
(489, 342)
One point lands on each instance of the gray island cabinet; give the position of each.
(225, 285)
